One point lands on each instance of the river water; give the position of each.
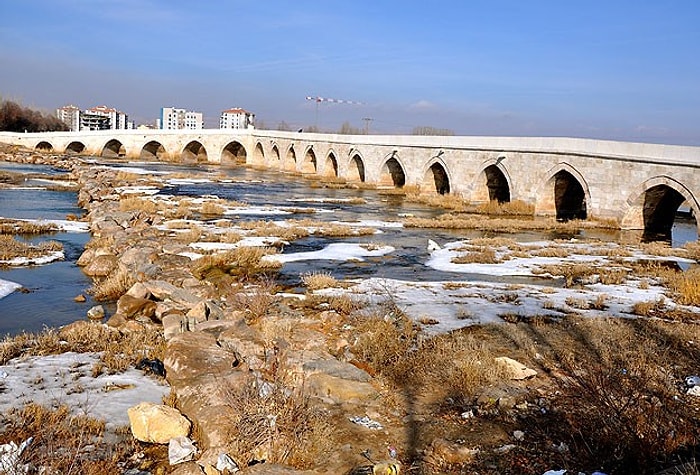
(52, 287)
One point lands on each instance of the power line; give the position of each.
(319, 100)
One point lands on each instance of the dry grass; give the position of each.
(318, 280)
(483, 255)
(257, 301)
(135, 203)
(454, 364)
(113, 286)
(63, 443)
(509, 208)
(242, 262)
(212, 208)
(279, 425)
(574, 274)
(504, 225)
(16, 226)
(11, 248)
(118, 351)
(448, 201)
(685, 286)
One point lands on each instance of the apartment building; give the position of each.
(172, 118)
(236, 119)
(70, 115)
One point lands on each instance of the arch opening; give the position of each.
(194, 152)
(233, 154)
(153, 150)
(436, 180)
(497, 184)
(331, 166)
(569, 197)
(309, 165)
(392, 174)
(659, 212)
(356, 170)
(113, 149)
(44, 146)
(75, 148)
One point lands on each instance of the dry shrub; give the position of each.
(693, 249)
(63, 443)
(344, 304)
(135, 203)
(277, 424)
(318, 280)
(624, 412)
(256, 302)
(114, 285)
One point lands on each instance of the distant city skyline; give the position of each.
(623, 70)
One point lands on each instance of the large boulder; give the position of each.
(157, 423)
(101, 265)
(135, 307)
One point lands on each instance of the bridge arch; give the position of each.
(330, 166)
(653, 206)
(153, 150)
(356, 168)
(493, 183)
(392, 172)
(113, 149)
(44, 146)
(290, 160)
(310, 164)
(194, 152)
(436, 178)
(258, 154)
(233, 153)
(75, 147)
(563, 194)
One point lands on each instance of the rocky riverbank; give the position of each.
(306, 383)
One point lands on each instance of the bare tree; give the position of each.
(427, 130)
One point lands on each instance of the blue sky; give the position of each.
(613, 69)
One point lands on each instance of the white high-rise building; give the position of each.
(175, 119)
(236, 119)
(70, 115)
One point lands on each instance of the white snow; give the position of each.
(334, 252)
(188, 181)
(59, 224)
(134, 170)
(256, 211)
(34, 261)
(66, 379)
(370, 223)
(250, 241)
(454, 305)
(7, 287)
(137, 190)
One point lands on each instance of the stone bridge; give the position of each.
(640, 186)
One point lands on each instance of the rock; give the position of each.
(101, 266)
(190, 355)
(514, 369)
(338, 369)
(157, 423)
(694, 391)
(205, 311)
(162, 290)
(188, 468)
(451, 452)
(117, 321)
(274, 469)
(174, 323)
(134, 307)
(339, 390)
(96, 313)
(79, 298)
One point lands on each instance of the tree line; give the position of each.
(347, 129)
(15, 118)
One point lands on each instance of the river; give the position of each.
(52, 288)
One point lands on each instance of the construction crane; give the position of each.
(318, 100)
